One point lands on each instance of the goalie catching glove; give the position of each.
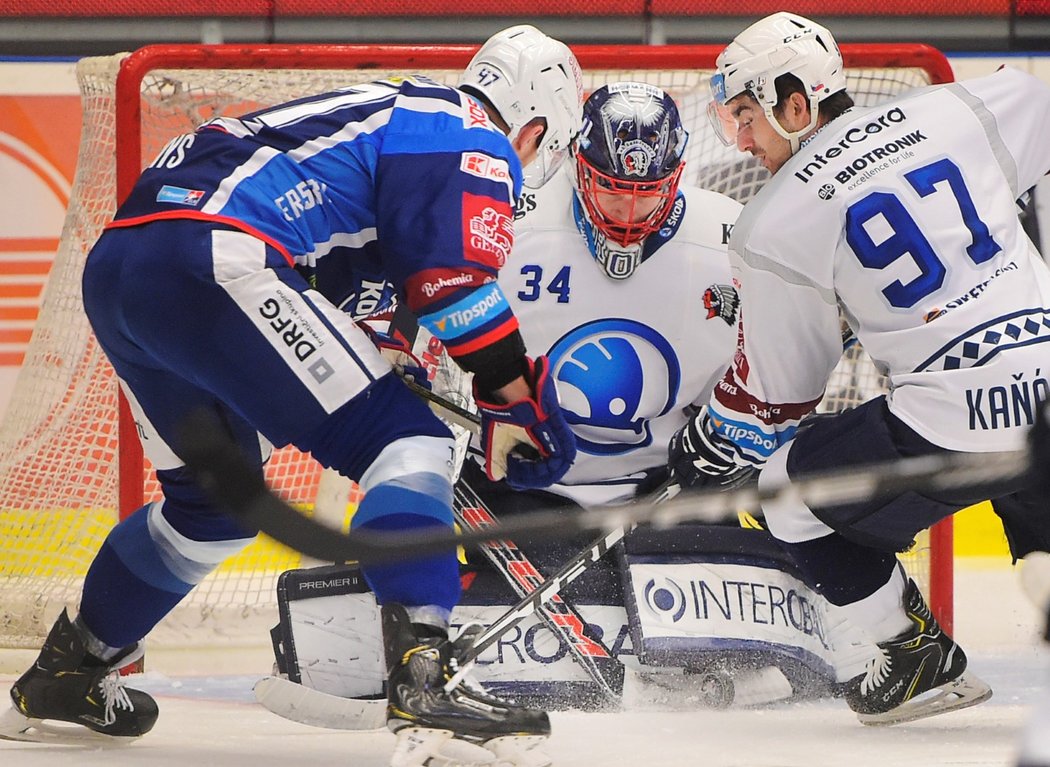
(698, 456)
(527, 441)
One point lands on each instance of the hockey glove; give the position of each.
(528, 442)
(399, 355)
(700, 457)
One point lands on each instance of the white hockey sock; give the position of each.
(93, 644)
(430, 615)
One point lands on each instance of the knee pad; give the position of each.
(788, 520)
(413, 457)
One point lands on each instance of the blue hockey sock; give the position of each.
(128, 588)
(432, 580)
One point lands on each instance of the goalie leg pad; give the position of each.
(329, 635)
(729, 601)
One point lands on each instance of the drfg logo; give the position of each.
(287, 330)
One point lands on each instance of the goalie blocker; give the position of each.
(716, 612)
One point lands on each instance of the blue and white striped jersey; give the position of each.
(399, 186)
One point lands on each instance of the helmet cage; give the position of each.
(629, 159)
(594, 185)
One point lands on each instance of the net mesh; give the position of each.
(59, 439)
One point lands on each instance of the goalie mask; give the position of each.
(628, 165)
(525, 74)
(783, 43)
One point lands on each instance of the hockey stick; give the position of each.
(550, 587)
(238, 487)
(560, 616)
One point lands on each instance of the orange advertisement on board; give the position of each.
(39, 136)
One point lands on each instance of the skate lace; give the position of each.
(114, 696)
(876, 672)
(460, 676)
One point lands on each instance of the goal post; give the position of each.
(70, 459)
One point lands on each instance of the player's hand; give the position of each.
(527, 441)
(397, 353)
(700, 457)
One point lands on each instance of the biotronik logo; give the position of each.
(613, 376)
(666, 599)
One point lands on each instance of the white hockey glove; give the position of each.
(698, 456)
(529, 441)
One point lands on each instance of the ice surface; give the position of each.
(208, 717)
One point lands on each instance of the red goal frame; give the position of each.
(423, 57)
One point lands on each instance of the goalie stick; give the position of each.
(306, 705)
(559, 615)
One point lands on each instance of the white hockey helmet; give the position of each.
(783, 43)
(525, 74)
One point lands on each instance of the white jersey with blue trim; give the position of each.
(627, 355)
(905, 216)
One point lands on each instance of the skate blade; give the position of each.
(14, 725)
(519, 751)
(429, 747)
(962, 692)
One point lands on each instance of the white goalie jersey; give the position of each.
(903, 216)
(627, 355)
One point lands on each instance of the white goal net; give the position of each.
(68, 467)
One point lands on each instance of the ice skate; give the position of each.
(63, 685)
(461, 727)
(915, 676)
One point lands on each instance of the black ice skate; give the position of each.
(915, 676)
(64, 685)
(461, 726)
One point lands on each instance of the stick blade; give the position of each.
(319, 709)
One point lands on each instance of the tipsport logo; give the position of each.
(613, 377)
(665, 599)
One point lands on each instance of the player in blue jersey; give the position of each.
(231, 280)
(901, 218)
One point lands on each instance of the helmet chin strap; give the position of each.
(795, 137)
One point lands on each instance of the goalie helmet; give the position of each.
(782, 43)
(629, 162)
(525, 74)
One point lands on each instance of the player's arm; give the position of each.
(448, 232)
(1014, 107)
(789, 341)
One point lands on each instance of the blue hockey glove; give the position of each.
(528, 441)
(700, 457)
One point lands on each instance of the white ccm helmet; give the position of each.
(525, 74)
(779, 44)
